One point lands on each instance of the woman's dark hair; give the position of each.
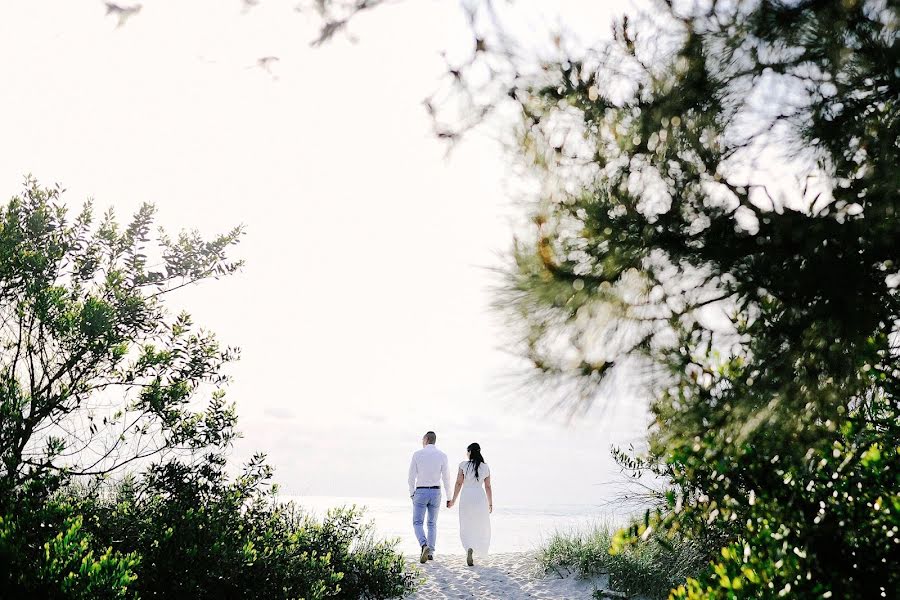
(475, 456)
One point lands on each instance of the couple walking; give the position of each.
(427, 470)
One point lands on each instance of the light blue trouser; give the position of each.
(422, 500)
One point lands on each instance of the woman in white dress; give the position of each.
(476, 503)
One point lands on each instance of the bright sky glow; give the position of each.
(363, 311)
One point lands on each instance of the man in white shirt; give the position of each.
(427, 470)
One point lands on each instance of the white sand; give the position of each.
(500, 576)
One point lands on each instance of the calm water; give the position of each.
(513, 528)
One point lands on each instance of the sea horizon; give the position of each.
(520, 527)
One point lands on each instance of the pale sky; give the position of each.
(363, 310)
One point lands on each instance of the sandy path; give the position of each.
(500, 576)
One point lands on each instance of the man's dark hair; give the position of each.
(430, 437)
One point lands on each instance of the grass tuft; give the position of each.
(647, 569)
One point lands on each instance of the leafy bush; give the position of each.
(830, 502)
(46, 552)
(371, 568)
(187, 531)
(203, 536)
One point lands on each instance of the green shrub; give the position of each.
(188, 531)
(371, 568)
(48, 554)
(649, 568)
(201, 535)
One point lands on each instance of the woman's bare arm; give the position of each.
(459, 481)
(490, 493)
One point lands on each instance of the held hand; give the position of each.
(449, 503)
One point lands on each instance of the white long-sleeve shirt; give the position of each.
(428, 468)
